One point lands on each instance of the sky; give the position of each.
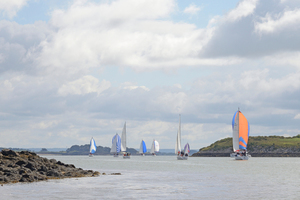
(75, 69)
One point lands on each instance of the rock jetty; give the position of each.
(26, 166)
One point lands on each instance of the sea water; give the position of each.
(165, 177)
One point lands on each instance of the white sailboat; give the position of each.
(93, 147)
(116, 145)
(154, 147)
(143, 148)
(123, 143)
(180, 154)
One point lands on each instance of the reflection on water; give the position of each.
(165, 177)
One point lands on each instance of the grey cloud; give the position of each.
(238, 38)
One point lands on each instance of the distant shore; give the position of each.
(252, 154)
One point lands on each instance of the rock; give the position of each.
(8, 152)
(115, 174)
(29, 167)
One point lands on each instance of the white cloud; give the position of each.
(192, 9)
(279, 22)
(10, 8)
(133, 86)
(122, 33)
(84, 85)
(244, 8)
(297, 116)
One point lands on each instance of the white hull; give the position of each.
(182, 157)
(91, 155)
(239, 157)
(116, 155)
(126, 157)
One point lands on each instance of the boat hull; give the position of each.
(126, 157)
(116, 155)
(239, 157)
(182, 157)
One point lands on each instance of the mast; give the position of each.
(179, 134)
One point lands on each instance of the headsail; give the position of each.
(123, 138)
(143, 148)
(93, 146)
(187, 149)
(241, 131)
(116, 144)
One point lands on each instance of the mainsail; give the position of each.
(93, 146)
(123, 139)
(241, 129)
(154, 147)
(178, 139)
(143, 148)
(116, 144)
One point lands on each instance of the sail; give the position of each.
(244, 130)
(93, 146)
(241, 131)
(178, 139)
(156, 146)
(187, 148)
(143, 148)
(116, 144)
(235, 128)
(123, 138)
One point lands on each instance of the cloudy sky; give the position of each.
(75, 69)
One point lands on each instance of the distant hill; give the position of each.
(85, 150)
(260, 146)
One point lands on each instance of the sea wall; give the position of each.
(26, 166)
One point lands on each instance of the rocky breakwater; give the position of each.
(26, 166)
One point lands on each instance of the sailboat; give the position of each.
(143, 148)
(154, 147)
(241, 129)
(116, 145)
(93, 147)
(185, 153)
(180, 154)
(123, 143)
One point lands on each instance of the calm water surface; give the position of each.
(164, 177)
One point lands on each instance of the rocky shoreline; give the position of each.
(26, 166)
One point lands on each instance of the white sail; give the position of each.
(141, 148)
(93, 146)
(152, 147)
(114, 145)
(156, 146)
(235, 136)
(178, 139)
(123, 138)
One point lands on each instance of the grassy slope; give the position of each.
(258, 141)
